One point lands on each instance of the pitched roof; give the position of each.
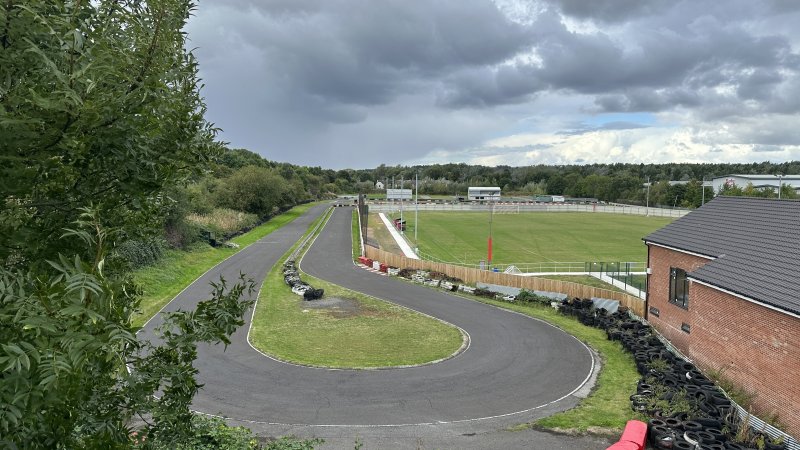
(755, 243)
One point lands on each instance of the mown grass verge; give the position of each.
(352, 331)
(607, 408)
(177, 269)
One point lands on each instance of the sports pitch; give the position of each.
(532, 238)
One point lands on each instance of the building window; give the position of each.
(678, 287)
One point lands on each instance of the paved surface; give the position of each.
(516, 368)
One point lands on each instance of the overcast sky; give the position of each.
(358, 83)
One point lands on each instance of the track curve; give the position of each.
(514, 363)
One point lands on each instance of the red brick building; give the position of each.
(724, 288)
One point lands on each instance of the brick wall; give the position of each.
(671, 316)
(755, 347)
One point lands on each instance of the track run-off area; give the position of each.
(513, 365)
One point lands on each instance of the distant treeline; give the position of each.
(607, 182)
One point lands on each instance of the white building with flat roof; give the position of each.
(758, 181)
(483, 193)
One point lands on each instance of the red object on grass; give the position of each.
(633, 438)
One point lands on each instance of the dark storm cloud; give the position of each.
(611, 10)
(487, 87)
(347, 79)
(646, 68)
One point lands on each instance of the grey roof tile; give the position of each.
(756, 243)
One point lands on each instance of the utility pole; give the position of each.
(780, 185)
(647, 207)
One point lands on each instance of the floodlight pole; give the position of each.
(647, 207)
(780, 185)
(401, 206)
(416, 208)
(491, 217)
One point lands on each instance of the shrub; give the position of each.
(139, 253)
(526, 296)
(181, 234)
(212, 433)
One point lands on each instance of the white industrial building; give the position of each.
(483, 193)
(758, 181)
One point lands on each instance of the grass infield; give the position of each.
(345, 329)
(536, 237)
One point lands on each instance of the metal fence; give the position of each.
(624, 275)
(528, 207)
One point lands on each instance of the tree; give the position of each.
(99, 104)
(99, 114)
(256, 190)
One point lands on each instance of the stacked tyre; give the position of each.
(687, 410)
(291, 276)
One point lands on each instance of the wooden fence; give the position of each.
(474, 276)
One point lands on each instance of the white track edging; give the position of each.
(407, 251)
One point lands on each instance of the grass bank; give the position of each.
(607, 409)
(345, 329)
(177, 269)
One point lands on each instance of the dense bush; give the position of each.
(181, 234)
(139, 253)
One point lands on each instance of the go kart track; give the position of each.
(513, 364)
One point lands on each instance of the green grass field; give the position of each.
(529, 238)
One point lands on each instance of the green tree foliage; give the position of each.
(256, 190)
(74, 372)
(99, 104)
(99, 115)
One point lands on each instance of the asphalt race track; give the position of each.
(513, 363)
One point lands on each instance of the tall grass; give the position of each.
(224, 220)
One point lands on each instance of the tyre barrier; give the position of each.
(687, 410)
(291, 276)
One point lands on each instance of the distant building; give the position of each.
(379, 185)
(758, 181)
(483, 193)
